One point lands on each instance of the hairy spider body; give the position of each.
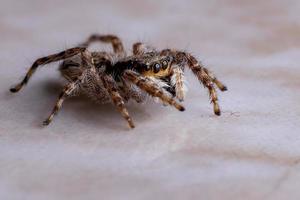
(115, 77)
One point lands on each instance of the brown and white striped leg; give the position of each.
(45, 60)
(177, 80)
(180, 58)
(203, 75)
(114, 40)
(67, 91)
(111, 87)
(207, 81)
(219, 84)
(139, 48)
(72, 87)
(151, 88)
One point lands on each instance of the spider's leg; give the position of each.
(151, 88)
(177, 79)
(67, 91)
(73, 86)
(206, 80)
(114, 40)
(111, 87)
(219, 84)
(45, 60)
(139, 48)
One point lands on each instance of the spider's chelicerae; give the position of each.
(117, 77)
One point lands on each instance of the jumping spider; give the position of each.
(116, 77)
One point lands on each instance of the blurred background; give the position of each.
(251, 152)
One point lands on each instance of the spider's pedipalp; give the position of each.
(45, 60)
(177, 80)
(111, 87)
(151, 88)
(114, 40)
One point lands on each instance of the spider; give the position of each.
(117, 77)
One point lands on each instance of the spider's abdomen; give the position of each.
(71, 68)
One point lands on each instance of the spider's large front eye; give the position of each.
(156, 67)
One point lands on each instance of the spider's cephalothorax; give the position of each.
(115, 77)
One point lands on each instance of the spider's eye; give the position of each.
(146, 67)
(164, 64)
(156, 67)
(168, 58)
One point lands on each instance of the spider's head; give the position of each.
(157, 67)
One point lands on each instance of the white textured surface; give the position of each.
(251, 152)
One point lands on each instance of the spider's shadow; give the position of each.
(88, 112)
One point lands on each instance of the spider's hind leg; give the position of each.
(45, 60)
(72, 87)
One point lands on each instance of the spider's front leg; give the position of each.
(45, 60)
(219, 84)
(207, 78)
(151, 88)
(203, 75)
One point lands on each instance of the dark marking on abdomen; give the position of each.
(69, 64)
